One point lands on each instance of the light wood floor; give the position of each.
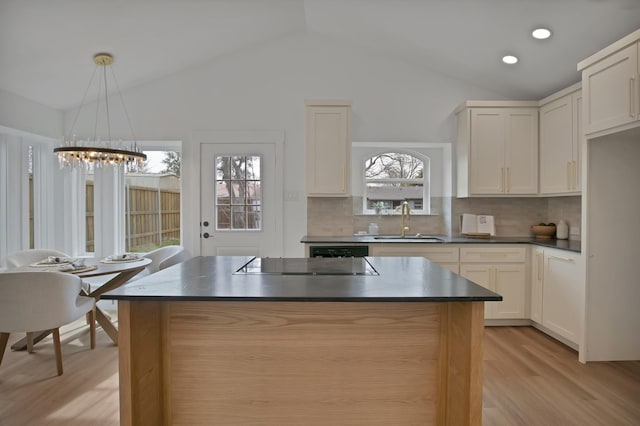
(530, 379)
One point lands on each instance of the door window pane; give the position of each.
(238, 186)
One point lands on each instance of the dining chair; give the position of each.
(27, 257)
(178, 256)
(36, 301)
(164, 257)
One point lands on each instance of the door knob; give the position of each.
(205, 235)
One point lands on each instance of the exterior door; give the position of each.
(240, 212)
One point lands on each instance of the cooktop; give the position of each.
(307, 266)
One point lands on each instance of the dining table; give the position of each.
(122, 272)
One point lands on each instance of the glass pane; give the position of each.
(223, 219)
(238, 192)
(222, 168)
(254, 195)
(390, 196)
(153, 203)
(253, 168)
(238, 167)
(253, 219)
(238, 217)
(394, 165)
(222, 192)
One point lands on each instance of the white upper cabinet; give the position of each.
(497, 150)
(611, 88)
(328, 134)
(560, 144)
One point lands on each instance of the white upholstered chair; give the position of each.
(164, 257)
(27, 257)
(37, 301)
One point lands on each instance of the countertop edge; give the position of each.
(568, 245)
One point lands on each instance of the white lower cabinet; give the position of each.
(502, 270)
(557, 293)
(445, 256)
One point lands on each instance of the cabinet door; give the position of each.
(556, 146)
(480, 274)
(510, 283)
(487, 173)
(562, 295)
(521, 151)
(578, 138)
(328, 150)
(537, 277)
(609, 89)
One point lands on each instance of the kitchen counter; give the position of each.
(308, 341)
(412, 279)
(570, 245)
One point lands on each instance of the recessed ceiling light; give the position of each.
(509, 59)
(541, 33)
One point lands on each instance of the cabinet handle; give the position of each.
(563, 259)
(631, 97)
(568, 173)
(344, 178)
(502, 179)
(574, 174)
(539, 256)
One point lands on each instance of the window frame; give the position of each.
(438, 171)
(426, 181)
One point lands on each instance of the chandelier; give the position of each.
(94, 152)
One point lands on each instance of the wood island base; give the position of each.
(300, 363)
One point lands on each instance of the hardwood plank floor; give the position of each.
(529, 379)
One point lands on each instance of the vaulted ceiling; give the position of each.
(46, 45)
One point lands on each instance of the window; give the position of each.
(238, 194)
(384, 174)
(152, 203)
(393, 177)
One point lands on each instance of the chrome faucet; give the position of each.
(406, 213)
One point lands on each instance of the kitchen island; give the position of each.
(356, 341)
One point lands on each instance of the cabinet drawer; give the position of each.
(438, 254)
(493, 254)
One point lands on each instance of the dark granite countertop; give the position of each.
(570, 245)
(399, 279)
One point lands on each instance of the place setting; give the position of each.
(63, 264)
(122, 258)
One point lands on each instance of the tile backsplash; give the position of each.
(513, 216)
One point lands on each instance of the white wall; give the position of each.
(264, 88)
(18, 113)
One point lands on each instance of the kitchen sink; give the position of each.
(425, 238)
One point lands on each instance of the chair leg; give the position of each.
(92, 327)
(29, 342)
(4, 338)
(58, 350)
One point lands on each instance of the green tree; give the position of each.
(171, 163)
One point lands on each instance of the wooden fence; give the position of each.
(152, 217)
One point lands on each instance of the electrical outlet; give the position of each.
(574, 230)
